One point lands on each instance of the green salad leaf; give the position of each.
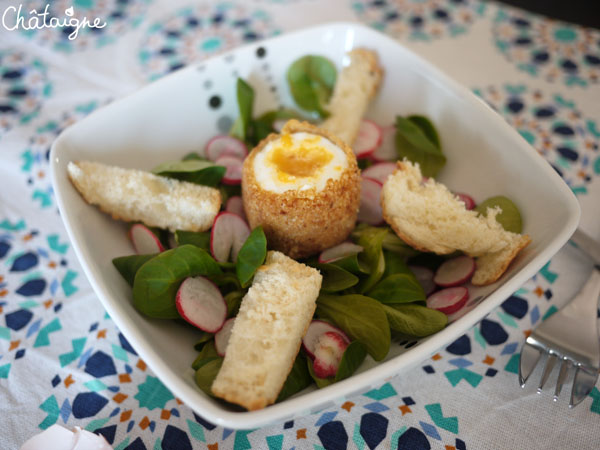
(398, 288)
(298, 379)
(206, 374)
(413, 143)
(193, 170)
(335, 278)
(205, 337)
(207, 353)
(156, 282)
(362, 318)
(427, 128)
(129, 265)
(394, 263)
(242, 127)
(198, 238)
(311, 80)
(192, 156)
(233, 300)
(393, 243)
(371, 239)
(415, 320)
(509, 218)
(353, 357)
(251, 256)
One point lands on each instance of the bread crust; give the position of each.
(303, 223)
(357, 84)
(481, 277)
(134, 195)
(490, 265)
(262, 309)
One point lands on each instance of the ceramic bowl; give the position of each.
(179, 113)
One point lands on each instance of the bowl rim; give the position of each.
(321, 398)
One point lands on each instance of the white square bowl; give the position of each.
(168, 118)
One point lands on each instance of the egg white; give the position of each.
(268, 175)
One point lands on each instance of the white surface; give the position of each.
(160, 122)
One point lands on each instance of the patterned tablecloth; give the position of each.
(62, 359)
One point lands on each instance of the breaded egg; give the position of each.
(303, 187)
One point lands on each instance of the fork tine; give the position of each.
(530, 356)
(550, 362)
(583, 383)
(562, 376)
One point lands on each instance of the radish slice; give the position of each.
(380, 171)
(228, 234)
(455, 271)
(387, 149)
(144, 241)
(370, 202)
(466, 199)
(424, 276)
(339, 251)
(200, 303)
(225, 145)
(315, 329)
(222, 336)
(329, 350)
(235, 205)
(233, 164)
(448, 300)
(368, 138)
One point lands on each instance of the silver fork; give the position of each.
(570, 336)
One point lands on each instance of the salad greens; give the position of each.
(251, 256)
(129, 265)
(509, 218)
(311, 80)
(252, 130)
(157, 280)
(417, 140)
(197, 171)
(360, 317)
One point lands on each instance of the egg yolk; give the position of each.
(303, 160)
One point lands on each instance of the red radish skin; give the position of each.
(448, 300)
(235, 205)
(387, 149)
(368, 138)
(455, 271)
(329, 350)
(223, 335)
(380, 171)
(225, 145)
(370, 204)
(315, 329)
(233, 166)
(424, 276)
(200, 303)
(339, 251)
(228, 234)
(466, 199)
(144, 241)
